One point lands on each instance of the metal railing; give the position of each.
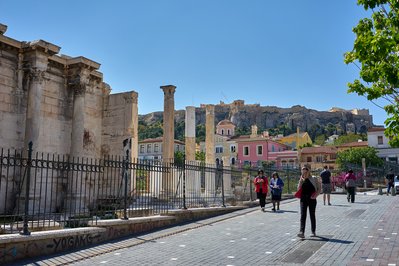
(40, 191)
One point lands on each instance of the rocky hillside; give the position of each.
(272, 118)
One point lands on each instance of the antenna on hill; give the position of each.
(224, 96)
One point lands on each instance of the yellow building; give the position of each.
(296, 140)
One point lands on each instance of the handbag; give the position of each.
(298, 194)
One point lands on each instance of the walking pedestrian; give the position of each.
(276, 189)
(390, 177)
(311, 188)
(326, 184)
(261, 188)
(350, 184)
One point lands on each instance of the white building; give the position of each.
(378, 140)
(151, 149)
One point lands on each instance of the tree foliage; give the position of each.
(349, 138)
(355, 155)
(376, 49)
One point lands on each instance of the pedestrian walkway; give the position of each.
(362, 233)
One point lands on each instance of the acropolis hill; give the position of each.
(245, 115)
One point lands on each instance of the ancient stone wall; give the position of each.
(59, 102)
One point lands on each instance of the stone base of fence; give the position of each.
(14, 247)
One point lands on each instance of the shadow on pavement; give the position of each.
(328, 239)
(340, 205)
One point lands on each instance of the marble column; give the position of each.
(193, 180)
(32, 133)
(132, 102)
(33, 114)
(78, 120)
(168, 122)
(190, 133)
(168, 139)
(210, 134)
(77, 186)
(210, 149)
(227, 176)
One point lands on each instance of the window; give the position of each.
(156, 147)
(380, 140)
(177, 147)
(233, 161)
(333, 156)
(228, 132)
(219, 149)
(319, 159)
(148, 148)
(233, 148)
(246, 151)
(141, 148)
(222, 131)
(259, 150)
(309, 159)
(272, 147)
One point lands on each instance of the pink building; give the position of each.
(254, 149)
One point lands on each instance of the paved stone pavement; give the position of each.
(362, 233)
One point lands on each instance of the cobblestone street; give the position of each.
(362, 233)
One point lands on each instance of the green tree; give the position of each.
(200, 129)
(376, 49)
(200, 156)
(320, 139)
(348, 138)
(355, 155)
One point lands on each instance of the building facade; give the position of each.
(377, 139)
(152, 149)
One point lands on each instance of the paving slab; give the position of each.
(360, 233)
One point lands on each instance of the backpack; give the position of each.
(350, 183)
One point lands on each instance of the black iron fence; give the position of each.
(41, 191)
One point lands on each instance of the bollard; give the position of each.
(379, 190)
(364, 184)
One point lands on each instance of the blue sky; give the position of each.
(280, 53)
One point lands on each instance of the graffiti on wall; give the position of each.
(72, 242)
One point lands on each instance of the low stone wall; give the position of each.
(14, 247)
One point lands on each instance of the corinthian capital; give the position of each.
(79, 89)
(37, 75)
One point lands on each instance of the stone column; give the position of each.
(33, 114)
(210, 134)
(168, 122)
(168, 138)
(227, 176)
(193, 181)
(77, 200)
(32, 133)
(190, 133)
(133, 132)
(78, 120)
(210, 149)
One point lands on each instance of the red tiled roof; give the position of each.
(322, 149)
(375, 129)
(159, 139)
(355, 144)
(225, 122)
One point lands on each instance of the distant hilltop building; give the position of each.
(352, 111)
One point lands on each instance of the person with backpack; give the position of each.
(350, 184)
(326, 184)
(390, 177)
(261, 187)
